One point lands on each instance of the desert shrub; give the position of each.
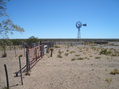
(91, 56)
(108, 80)
(94, 48)
(72, 52)
(114, 54)
(86, 58)
(60, 52)
(73, 59)
(67, 50)
(115, 71)
(80, 58)
(80, 51)
(77, 55)
(105, 52)
(59, 56)
(57, 46)
(97, 57)
(111, 52)
(66, 54)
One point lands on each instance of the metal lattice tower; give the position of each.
(78, 26)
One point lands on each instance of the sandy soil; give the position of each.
(77, 67)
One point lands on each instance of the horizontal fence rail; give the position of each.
(33, 55)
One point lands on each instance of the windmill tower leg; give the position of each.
(79, 35)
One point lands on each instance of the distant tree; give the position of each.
(32, 39)
(17, 41)
(3, 44)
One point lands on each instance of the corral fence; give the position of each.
(33, 54)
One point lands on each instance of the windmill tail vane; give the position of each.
(85, 25)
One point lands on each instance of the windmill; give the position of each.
(79, 25)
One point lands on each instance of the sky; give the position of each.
(57, 18)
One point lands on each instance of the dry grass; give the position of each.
(77, 55)
(72, 52)
(115, 71)
(56, 46)
(97, 57)
(108, 80)
(80, 58)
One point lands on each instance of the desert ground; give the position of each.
(70, 67)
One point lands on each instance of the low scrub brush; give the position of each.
(59, 56)
(66, 54)
(56, 46)
(115, 71)
(105, 52)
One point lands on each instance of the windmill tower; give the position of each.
(78, 26)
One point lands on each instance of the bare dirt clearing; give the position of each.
(71, 67)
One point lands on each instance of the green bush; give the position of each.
(114, 54)
(97, 57)
(105, 52)
(57, 46)
(77, 55)
(72, 52)
(60, 52)
(66, 54)
(80, 58)
(67, 50)
(59, 56)
(73, 59)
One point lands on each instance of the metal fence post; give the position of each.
(51, 52)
